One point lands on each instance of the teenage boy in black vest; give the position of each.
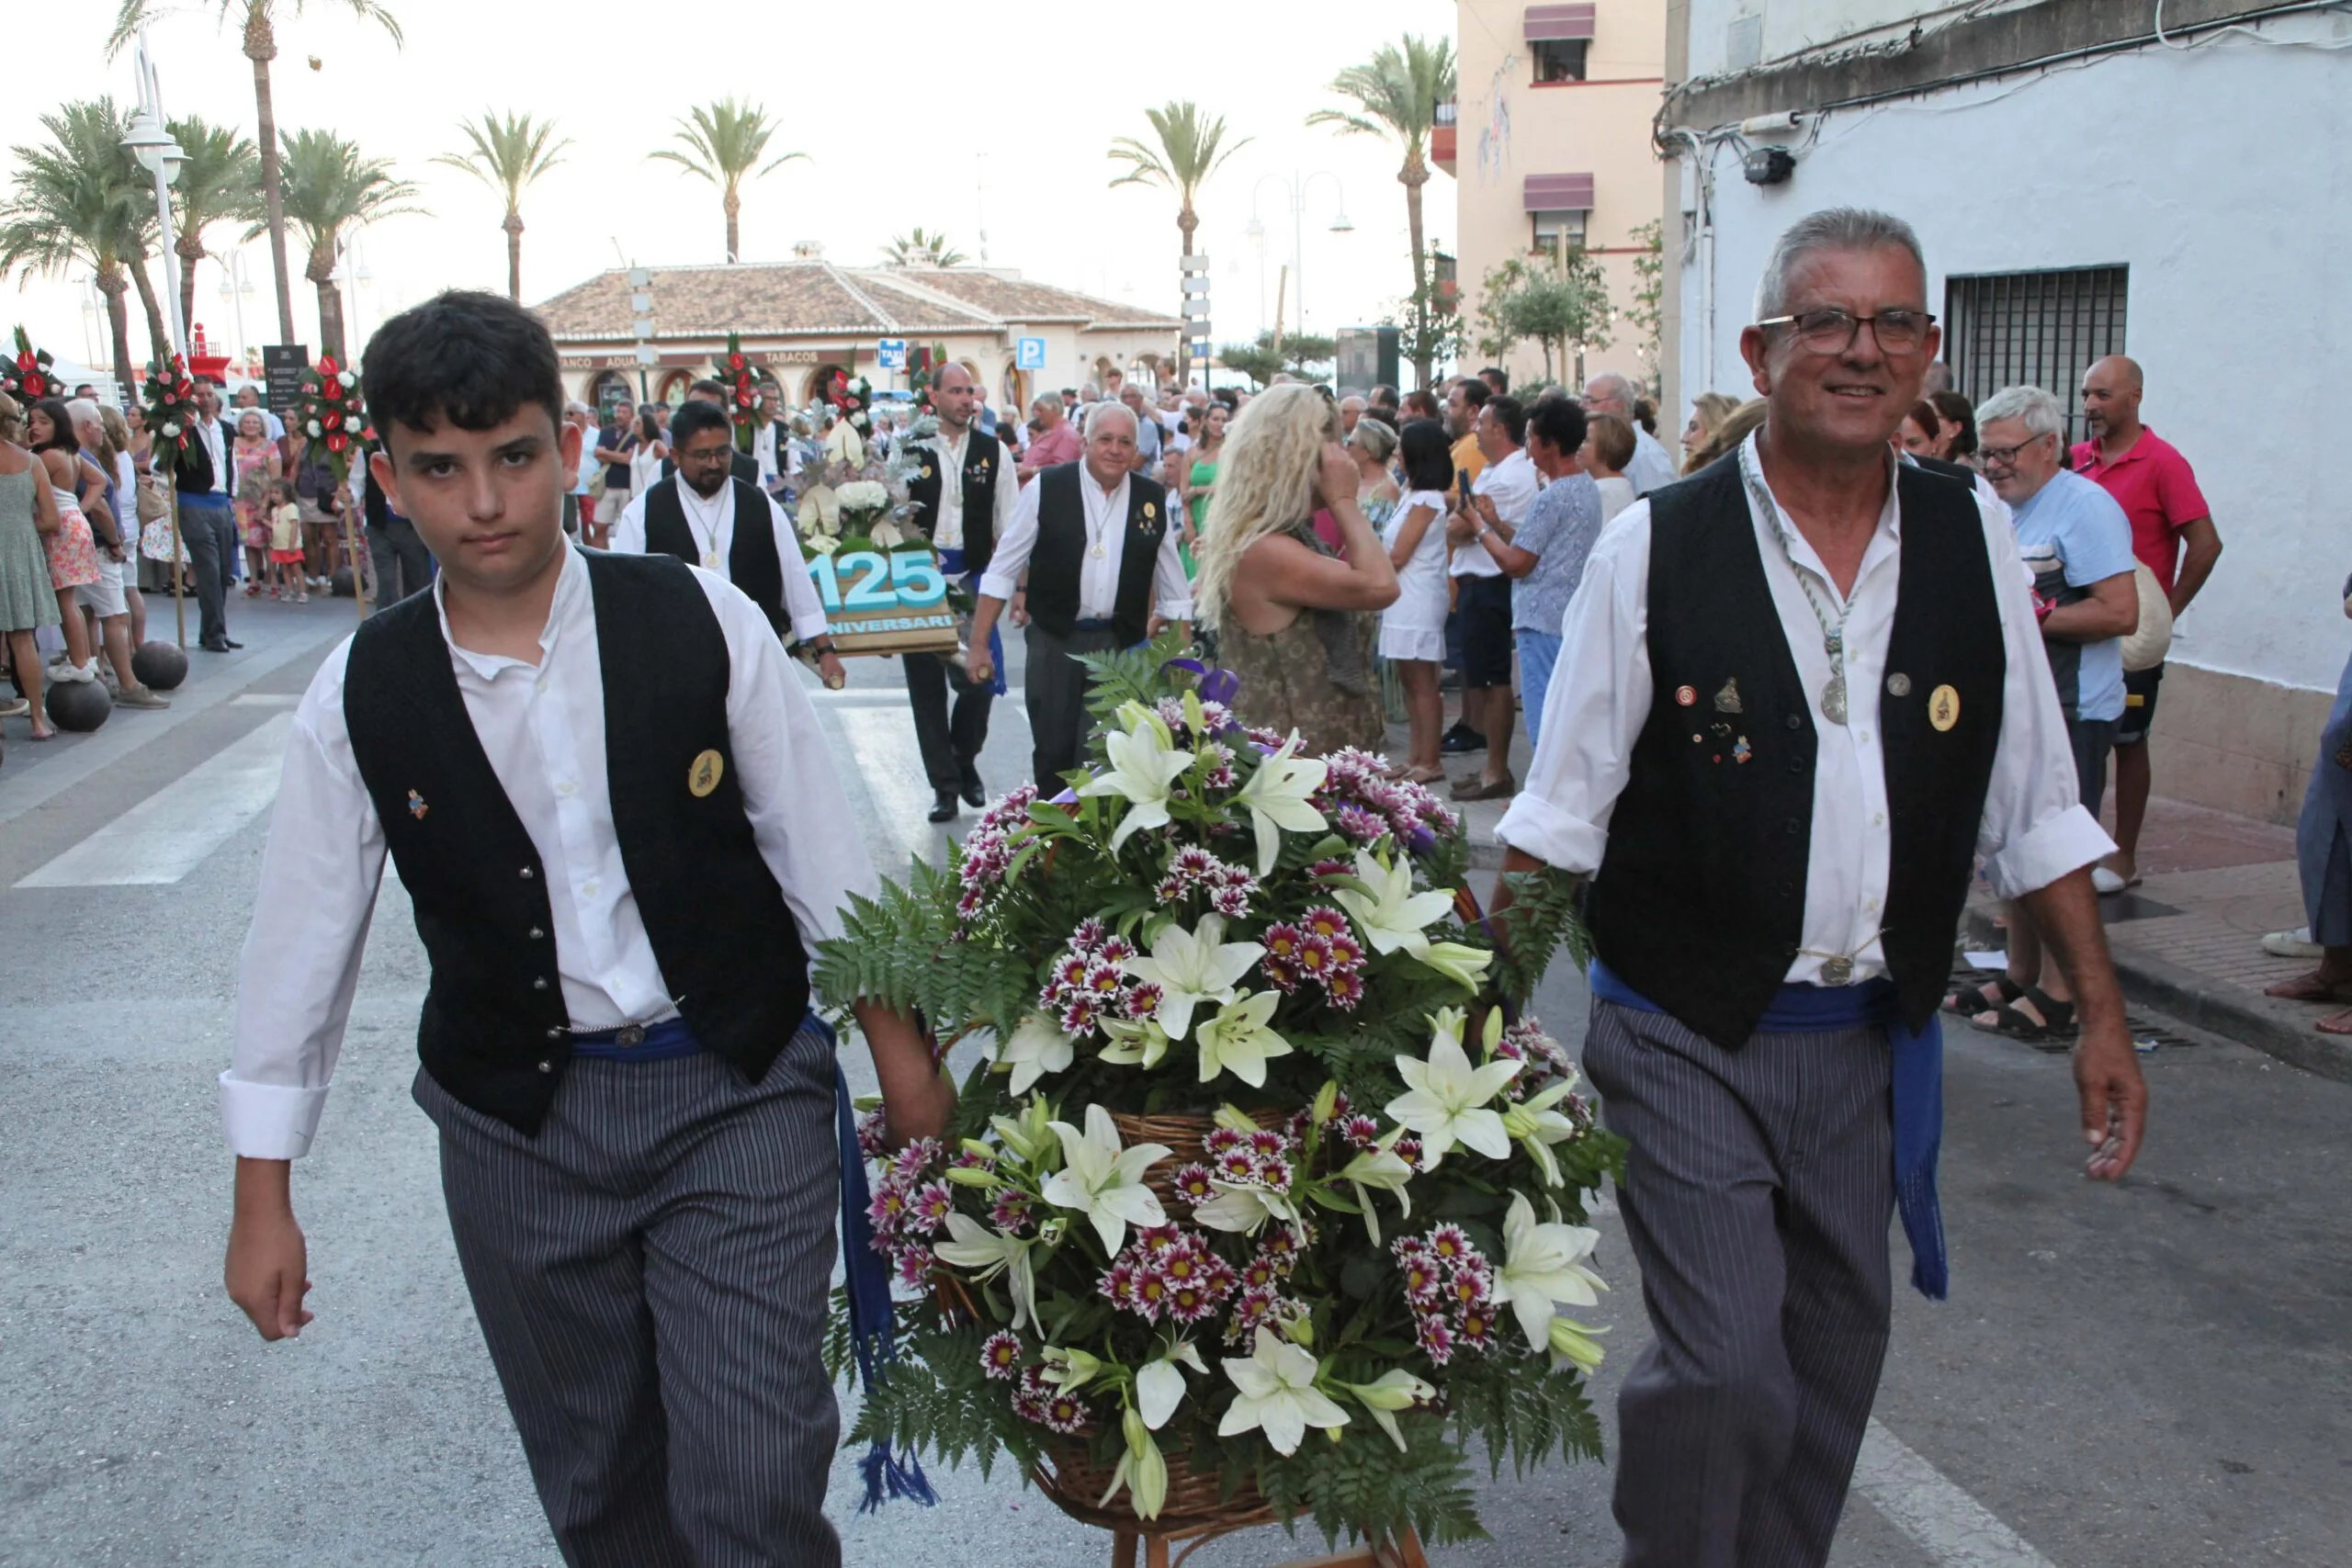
(1094, 540)
(963, 498)
(612, 809)
(692, 515)
(1798, 693)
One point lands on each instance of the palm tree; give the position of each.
(261, 48)
(508, 154)
(1397, 93)
(329, 185)
(220, 180)
(77, 201)
(919, 249)
(1190, 148)
(723, 142)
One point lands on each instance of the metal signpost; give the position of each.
(1197, 315)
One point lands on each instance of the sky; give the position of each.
(955, 117)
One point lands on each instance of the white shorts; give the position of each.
(104, 596)
(611, 504)
(1413, 642)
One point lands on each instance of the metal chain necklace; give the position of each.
(1833, 634)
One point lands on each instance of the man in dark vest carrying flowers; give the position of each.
(1801, 691)
(612, 806)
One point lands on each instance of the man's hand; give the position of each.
(2115, 1099)
(1020, 607)
(829, 665)
(268, 1261)
(978, 668)
(917, 1098)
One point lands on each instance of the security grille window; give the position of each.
(1560, 59)
(1557, 230)
(2038, 328)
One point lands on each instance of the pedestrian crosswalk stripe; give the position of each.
(169, 834)
(1953, 1528)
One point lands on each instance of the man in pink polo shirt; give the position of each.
(2173, 535)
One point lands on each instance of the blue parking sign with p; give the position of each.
(1031, 354)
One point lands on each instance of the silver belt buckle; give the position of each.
(1834, 971)
(629, 1034)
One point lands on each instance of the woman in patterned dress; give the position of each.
(73, 548)
(258, 468)
(28, 513)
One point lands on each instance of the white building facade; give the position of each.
(2082, 186)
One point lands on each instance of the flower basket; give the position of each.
(1268, 1202)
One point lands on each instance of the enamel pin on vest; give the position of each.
(1943, 708)
(704, 776)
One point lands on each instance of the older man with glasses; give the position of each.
(1798, 693)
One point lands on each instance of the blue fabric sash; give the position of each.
(670, 1037)
(1919, 1093)
(865, 1280)
(951, 565)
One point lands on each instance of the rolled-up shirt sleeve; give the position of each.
(300, 968)
(1013, 547)
(1594, 712)
(2035, 829)
(801, 604)
(800, 816)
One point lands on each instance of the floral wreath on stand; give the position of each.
(28, 375)
(167, 406)
(330, 417)
(746, 404)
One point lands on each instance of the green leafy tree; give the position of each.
(1397, 93)
(1429, 322)
(1299, 353)
(76, 201)
(1646, 314)
(260, 45)
(219, 181)
(331, 185)
(723, 142)
(509, 154)
(919, 249)
(1562, 306)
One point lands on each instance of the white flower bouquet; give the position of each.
(1265, 1203)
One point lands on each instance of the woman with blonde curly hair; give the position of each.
(1708, 412)
(1292, 615)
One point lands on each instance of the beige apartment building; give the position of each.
(1551, 139)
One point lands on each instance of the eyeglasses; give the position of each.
(2003, 457)
(1832, 331)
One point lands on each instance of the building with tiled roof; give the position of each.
(803, 319)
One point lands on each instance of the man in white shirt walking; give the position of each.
(1781, 786)
(1500, 498)
(612, 810)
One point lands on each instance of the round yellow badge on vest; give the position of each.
(1149, 509)
(1943, 708)
(708, 769)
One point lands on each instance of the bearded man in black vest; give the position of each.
(1799, 693)
(962, 496)
(692, 514)
(1095, 541)
(611, 803)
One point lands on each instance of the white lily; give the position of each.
(1144, 764)
(1034, 1049)
(1240, 1210)
(1543, 1264)
(1446, 1099)
(1103, 1179)
(1191, 967)
(1392, 1391)
(1277, 1395)
(1135, 1042)
(990, 1252)
(1238, 1040)
(1070, 1370)
(1143, 1470)
(1537, 1127)
(1572, 1341)
(1393, 916)
(1277, 797)
(1382, 1167)
(1457, 960)
(1160, 1387)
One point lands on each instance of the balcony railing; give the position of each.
(1442, 135)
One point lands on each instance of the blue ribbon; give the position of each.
(1919, 1093)
(951, 564)
(867, 1283)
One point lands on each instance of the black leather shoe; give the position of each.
(975, 796)
(945, 811)
(232, 642)
(218, 645)
(1461, 740)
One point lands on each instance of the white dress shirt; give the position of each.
(1512, 485)
(947, 527)
(1651, 469)
(542, 728)
(1098, 577)
(2034, 828)
(216, 447)
(712, 524)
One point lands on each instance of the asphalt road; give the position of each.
(2150, 1374)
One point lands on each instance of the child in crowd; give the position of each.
(286, 577)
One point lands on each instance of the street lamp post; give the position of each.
(1295, 188)
(161, 156)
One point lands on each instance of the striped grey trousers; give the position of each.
(1757, 1190)
(651, 1275)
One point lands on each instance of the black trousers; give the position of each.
(1054, 683)
(951, 737)
(403, 566)
(208, 535)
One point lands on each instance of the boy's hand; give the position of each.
(267, 1267)
(917, 1098)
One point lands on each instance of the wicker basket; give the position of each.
(1182, 1136)
(1195, 1504)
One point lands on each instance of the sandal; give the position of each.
(1423, 775)
(2311, 989)
(1970, 1001)
(2335, 1024)
(2057, 1020)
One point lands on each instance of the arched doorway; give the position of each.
(1012, 393)
(819, 379)
(674, 387)
(609, 390)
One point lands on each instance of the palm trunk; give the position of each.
(158, 336)
(514, 227)
(261, 48)
(191, 251)
(112, 285)
(734, 225)
(320, 272)
(1416, 174)
(1187, 223)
